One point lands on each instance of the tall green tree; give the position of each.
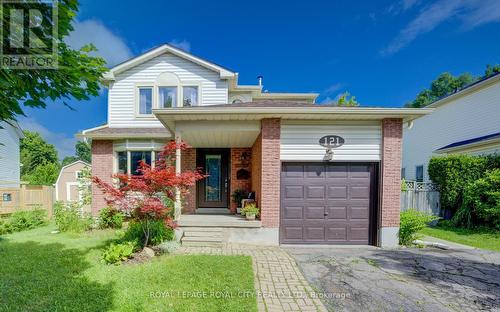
(77, 77)
(44, 174)
(446, 84)
(83, 151)
(35, 152)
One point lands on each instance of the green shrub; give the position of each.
(71, 218)
(250, 209)
(238, 195)
(159, 232)
(412, 222)
(453, 173)
(117, 252)
(23, 220)
(481, 204)
(110, 218)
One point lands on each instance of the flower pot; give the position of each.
(250, 217)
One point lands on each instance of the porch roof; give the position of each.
(258, 110)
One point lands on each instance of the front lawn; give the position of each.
(40, 271)
(479, 238)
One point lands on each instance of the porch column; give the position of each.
(270, 172)
(178, 160)
(392, 134)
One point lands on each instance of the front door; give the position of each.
(213, 190)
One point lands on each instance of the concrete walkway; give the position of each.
(279, 284)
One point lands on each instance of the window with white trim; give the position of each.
(145, 100)
(167, 97)
(189, 96)
(128, 161)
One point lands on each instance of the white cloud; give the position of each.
(65, 145)
(471, 13)
(111, 47)
(333, 88)
(181, 44)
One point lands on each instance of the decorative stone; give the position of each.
(148, 252)
(178, 233)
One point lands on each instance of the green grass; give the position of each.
(479, 238)
(40, 271)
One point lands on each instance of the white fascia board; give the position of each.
(110, 75)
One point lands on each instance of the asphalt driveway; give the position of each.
(374, 279)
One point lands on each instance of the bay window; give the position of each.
(128, 161)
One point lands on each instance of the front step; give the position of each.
(202, 237)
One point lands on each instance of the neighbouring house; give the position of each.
(68, 183)
(321, 174)
(465, 122)
(10, 157)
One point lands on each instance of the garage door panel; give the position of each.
(294, 212)
(337, 212)
(294, 191)
(337, 192)
(314, 233)
(293, 171)
(359, 213)
(327, 203)
(336, 233)
(314, 171)
(314, 213)
(338, 171)
(315, 191)
(292, 233)
(359, 192)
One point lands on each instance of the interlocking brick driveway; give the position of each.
(375, 279)
(279, 283)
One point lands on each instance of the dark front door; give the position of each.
(213, 190)
(327, 203)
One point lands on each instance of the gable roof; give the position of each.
(482, 83)
(166, 48)
(69, 165)
(485, 139)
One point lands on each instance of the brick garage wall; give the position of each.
(392, 133)
(255, 165)
(270, 172)
(240, 159)
(102, 167)
(188, 162)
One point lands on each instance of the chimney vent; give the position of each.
(259, 78)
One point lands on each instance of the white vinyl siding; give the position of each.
(122, 109)
(300, 140)
(9, 156)
(467, 117)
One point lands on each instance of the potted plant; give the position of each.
(237, 196)
(250, 211)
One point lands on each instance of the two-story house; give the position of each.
(321, 174)
(465, 122)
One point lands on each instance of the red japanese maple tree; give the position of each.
(151, 194)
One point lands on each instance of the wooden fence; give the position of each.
(421, 196)
(27, 197)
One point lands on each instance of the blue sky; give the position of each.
(383, 52)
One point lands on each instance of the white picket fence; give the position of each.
(421, 196)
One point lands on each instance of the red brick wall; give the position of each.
(102, 167)
(238, 163)
(255, 165)
(392, 133)
(188, 162)
(270, 171)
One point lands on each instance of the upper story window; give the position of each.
(403, 173)
(189, 96)
(145, 100)
(167, 97)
